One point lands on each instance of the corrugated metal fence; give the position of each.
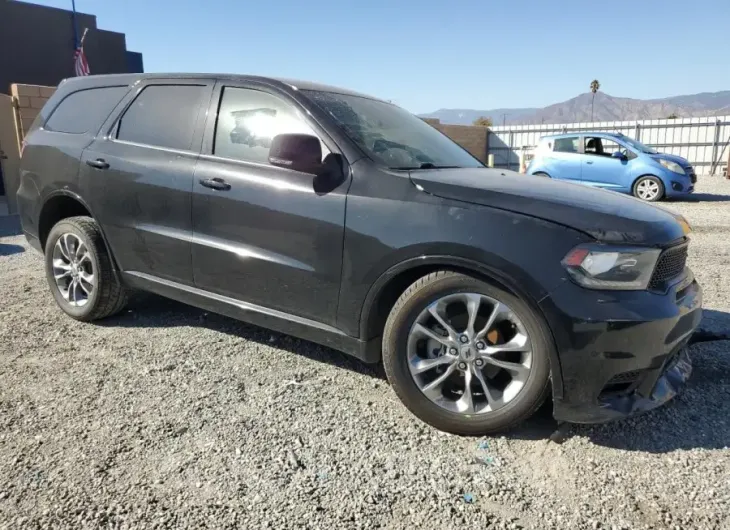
(703, 141)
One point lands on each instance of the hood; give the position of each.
(673, 158)
(606, 216)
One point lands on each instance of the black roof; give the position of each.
(100, 80)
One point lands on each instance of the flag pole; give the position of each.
(75, 24)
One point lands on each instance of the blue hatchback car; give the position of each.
(615, 162)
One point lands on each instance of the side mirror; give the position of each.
(619, 155)
(300, 152)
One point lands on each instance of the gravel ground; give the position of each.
(170, 417)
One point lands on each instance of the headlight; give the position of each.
(601, 267)
(672, 166)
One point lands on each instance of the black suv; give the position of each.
(345, 220)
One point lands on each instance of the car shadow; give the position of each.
(700, 197)
(696, 418)
(150, 311)
(9, 225)
(8, 250)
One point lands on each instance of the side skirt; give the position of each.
(304, 328)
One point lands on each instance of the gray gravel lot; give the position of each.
(170, 417)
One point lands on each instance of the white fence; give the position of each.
(704, 141)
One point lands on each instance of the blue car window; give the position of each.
(566, 145)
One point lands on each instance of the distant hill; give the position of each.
(607, 108)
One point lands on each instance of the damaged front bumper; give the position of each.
(620, 353)
(668, 385)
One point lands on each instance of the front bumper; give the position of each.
(620, 353)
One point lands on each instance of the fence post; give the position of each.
(511, 146)
(715, 146)
(637, 132)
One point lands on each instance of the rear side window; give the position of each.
(566, 145)
(85, 110)
(163, 116)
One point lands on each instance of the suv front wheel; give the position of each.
(465, 356)
(80, 272)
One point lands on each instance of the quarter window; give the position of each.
(566, 145)
(249, 119)
(163, 116)
(85, 110)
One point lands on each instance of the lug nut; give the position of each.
(464, 339)
(479, 362)
(481, 345)
(453, 351)
(462, 366)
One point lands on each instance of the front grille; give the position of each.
(691, 172)
(670, 265)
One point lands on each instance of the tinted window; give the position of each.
(566, 145)
(163, 115)
(85, 110)
(249, 119)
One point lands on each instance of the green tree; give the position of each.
(672, 116)
(595, 86)
(483, 121)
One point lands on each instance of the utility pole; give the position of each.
(504, 119)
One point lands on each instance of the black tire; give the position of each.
(658, 197)
(541, 174)
(108, 295)
(417, 297)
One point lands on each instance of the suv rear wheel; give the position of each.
(79, 270)
(465, 356)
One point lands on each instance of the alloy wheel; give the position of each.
(73, 269)
(469, 353)
(647, 190)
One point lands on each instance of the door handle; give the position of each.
(99, 163)
(589, 161)
(216, 184)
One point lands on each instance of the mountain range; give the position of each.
(606, 108)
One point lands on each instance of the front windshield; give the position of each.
(638, 145)
(391, 135)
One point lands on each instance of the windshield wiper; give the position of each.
(426, 165)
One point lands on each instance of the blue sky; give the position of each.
(431, 54)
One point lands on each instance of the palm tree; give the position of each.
(595, 85)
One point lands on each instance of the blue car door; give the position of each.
(600, 168)
(564, 162)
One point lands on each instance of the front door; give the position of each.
(600, 168)
(262, 234)
(139, 178)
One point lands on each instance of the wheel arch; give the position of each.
(63, 204)
(390, 285)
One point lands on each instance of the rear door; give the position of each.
(565, 160)
(139, 176)
(600, 168)
(265, 235)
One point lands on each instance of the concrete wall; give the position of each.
(470, 137)
(37, 45)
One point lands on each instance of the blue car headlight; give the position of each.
(672, 166)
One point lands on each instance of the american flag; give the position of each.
(81, 65)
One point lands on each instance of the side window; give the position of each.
(566, 145)
(601, 146)
(85, 110)
(163, 116)
(249, 119)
